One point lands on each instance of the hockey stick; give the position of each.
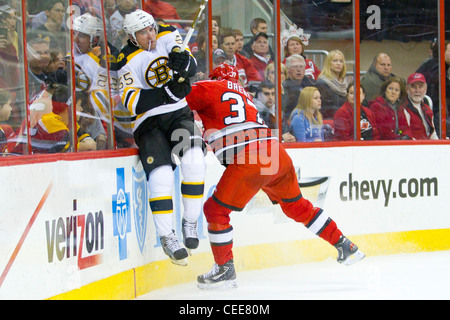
(191, 31)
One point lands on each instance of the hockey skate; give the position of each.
(220, 276)
(172, 248)
(348, 252)
(190, 236)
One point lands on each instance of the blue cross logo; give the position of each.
(121, 213)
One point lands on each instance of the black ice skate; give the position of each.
(190, 236)
(172, 248)
(219, 277)
(348, 252)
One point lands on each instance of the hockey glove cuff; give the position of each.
(177, 91)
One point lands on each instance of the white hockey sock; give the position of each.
(160, 185)
(193, 169)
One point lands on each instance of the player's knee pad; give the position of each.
(215, 213)
(193, 166)
(161, 181)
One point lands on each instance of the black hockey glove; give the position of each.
(179, 61)
(177, 91)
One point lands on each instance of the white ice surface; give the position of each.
(404, 276)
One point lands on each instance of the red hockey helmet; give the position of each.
(225, 72)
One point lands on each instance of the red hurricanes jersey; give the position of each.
(229, 116)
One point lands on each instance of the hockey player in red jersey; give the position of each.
(254, 160)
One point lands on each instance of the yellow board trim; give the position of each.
(159, 274)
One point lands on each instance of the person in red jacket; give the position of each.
(343, 119)
(388, 109)
(261, 55)
(254, 160)
(162, 10)
(418, 114)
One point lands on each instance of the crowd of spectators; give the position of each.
(391, 107)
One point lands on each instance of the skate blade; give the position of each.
(227, 284)
(357, 256)
(181, 262)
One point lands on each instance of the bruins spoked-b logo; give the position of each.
(158, 73)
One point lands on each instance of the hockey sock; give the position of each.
(160, 184)
(220, 232)
(323, 226)
(313, 218)
(193, 169)
(221, 241)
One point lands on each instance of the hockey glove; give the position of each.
(177, 91)
(179, 61)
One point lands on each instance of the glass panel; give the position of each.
(91, 67)
(117, 39)
(447, 74)
(12, 83)
(317, 40)
(397, 42)
(247, 42)
(49, 111)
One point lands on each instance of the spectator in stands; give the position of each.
(418, 114)
(344, 119)
(38, 60)
(240, 43)
(57, 61)
(265, 103)
(269, 74)
(94, 7)
(9, 50)
(332, 83)
(8, 21)
(5, 113)
(257, 25)
(379, 71)
(54, 29)
(200, 55)
(295, 82)
(51, 134)
(85, 111)
(388, 109)
(116, 22)
(247, 71)
(430, 70)
(162, 10)
(110, 7)
(215, 30)
(261, 57)
(294, 41)
(306, 118)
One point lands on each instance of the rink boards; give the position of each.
(82, 229)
